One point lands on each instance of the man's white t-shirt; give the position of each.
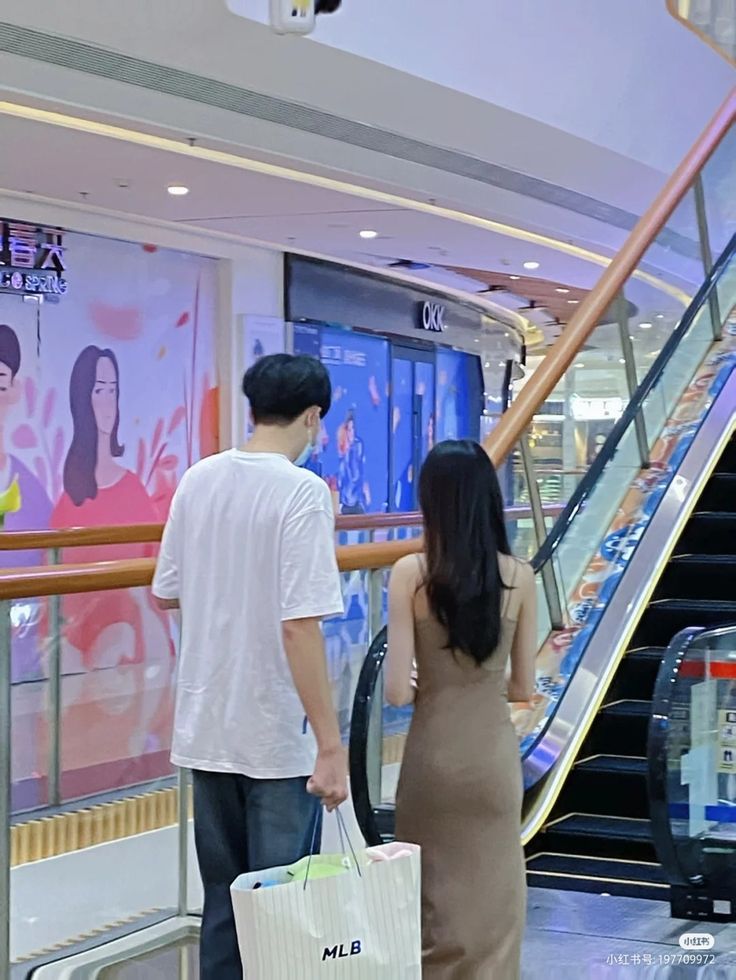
(249, 544)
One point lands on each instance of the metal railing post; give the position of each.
(706, 252)
(5, 787)
(549, 579)
(54, 692)
(632, 382)
(183, 842)
(374, 749)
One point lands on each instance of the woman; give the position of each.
(116, 643)
(97, 489)
(462, 611)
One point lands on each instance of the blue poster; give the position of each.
(459, 394)
(355, 433)
(402, 435)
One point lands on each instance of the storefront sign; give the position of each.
(31, 259)
(431, 317)
(596, 409)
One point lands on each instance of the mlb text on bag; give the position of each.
(341, 952)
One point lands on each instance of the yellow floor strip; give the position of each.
(48, 837)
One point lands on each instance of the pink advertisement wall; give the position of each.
(106, 397)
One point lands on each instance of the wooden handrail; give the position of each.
(101, 576)
(515, 422)
(80, 537)
(117, 534)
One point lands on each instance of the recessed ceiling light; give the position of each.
(645, 326)
(622, 360)
(178, 190)
(531, 265)
(514, 277)
(368, 233)
(579, 367)
(573, 302)
(561, 289)
(660, 316)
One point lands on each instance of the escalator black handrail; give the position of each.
(657, 768)
(657, 750)
(608, 450)
(359, 729)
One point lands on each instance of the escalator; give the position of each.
(599, 837)
(649, 571)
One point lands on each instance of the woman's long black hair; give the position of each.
(80, 481)
(464, 534)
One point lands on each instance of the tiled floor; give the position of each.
(573, 935)
(570, 936)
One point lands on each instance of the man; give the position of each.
(248, 555)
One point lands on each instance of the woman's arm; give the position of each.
(400, 689)
(522, 682)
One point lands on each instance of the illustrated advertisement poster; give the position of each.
(106, 397)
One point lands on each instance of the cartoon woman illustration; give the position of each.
(97, 489)
(121, 630)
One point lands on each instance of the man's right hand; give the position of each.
(330, 779)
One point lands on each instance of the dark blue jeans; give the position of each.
(243, 825)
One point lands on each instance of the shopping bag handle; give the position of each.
(344, 836)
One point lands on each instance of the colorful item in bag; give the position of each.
(388, 852)
(321, 866)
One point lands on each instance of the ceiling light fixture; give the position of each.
(562, 289)
(622, 360)
(660, 316)
(645, 326)
(180, 148)
(531, 265)
(368, 233)
(514, 277)
(573, 302)
(579, 367)
(178, 190)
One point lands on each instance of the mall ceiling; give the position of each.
(107, 106)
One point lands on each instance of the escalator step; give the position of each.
(614, 765)
(602, 835)
(624, 878)
(637, 673)
(708, 533)
(642, 872)
(610, 785)
(699, 577)
(727, 462)
(620, 728)
(666, 617)
(719, 494)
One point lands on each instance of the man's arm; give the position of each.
(166, 578)
(305, 652)
(166, 605)
(310, 592)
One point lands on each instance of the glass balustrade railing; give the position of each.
(692, 772)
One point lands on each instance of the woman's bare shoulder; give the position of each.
(515, 570)
(408, 570)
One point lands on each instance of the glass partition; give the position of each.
(692, 770)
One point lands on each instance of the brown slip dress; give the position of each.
(459, 798)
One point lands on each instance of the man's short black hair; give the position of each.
(281, 387)
(9, 349)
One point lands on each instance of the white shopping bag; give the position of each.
(355, 925)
